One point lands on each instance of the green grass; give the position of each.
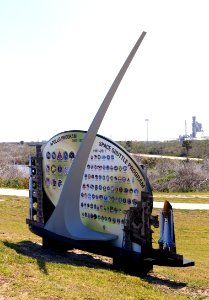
(198, 197)
(27, 271)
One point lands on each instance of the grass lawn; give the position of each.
(27, 271)
(199, 197)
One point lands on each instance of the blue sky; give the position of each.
(59, 58)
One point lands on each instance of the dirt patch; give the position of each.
(4, 285)
(3, 281)
(167, 286)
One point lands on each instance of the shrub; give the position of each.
(16, 183)
(179, 176)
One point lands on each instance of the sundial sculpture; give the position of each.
(87, 192)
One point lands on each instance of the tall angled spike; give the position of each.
(65, 219)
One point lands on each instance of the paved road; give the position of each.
(193, 206)
(14, 192)
(168, 157)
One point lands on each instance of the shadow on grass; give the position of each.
(164, 282)
(72, 257)
(80, 258)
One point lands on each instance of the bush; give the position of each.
(179, 176)
(16, 183)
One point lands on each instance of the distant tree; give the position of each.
(187, 144)
(129, 146)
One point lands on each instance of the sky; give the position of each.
(58, 60)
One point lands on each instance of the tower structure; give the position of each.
(196, 127)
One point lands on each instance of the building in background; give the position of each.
(197, 131)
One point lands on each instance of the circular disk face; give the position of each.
(112, 180)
